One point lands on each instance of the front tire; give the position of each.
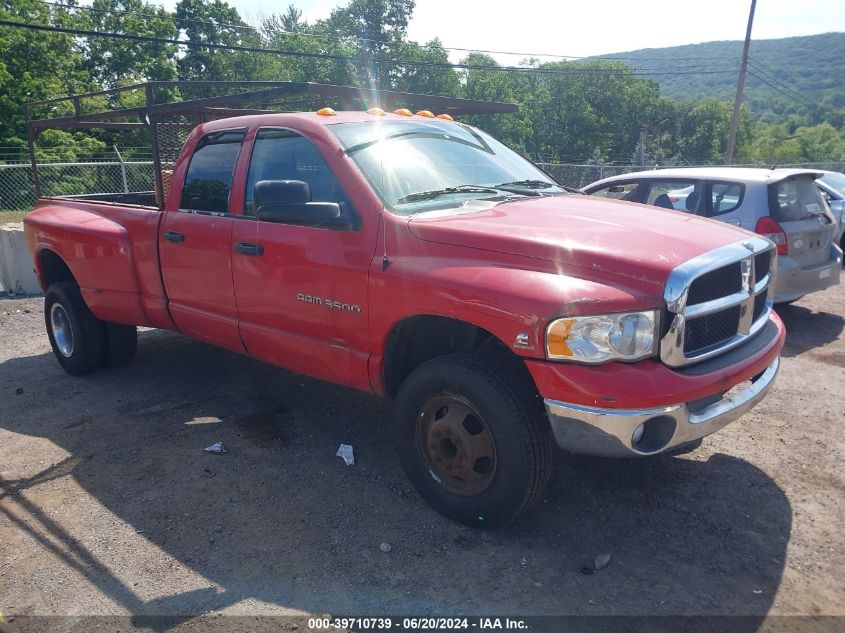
(473, 438)
(76, 336)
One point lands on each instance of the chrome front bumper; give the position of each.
(610, 432)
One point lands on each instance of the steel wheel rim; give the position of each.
(456, 445)
(62, 331)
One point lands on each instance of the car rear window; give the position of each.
(795, 199)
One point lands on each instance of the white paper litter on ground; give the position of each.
(345, 452)
(217, 447)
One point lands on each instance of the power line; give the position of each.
(259, 30)
(347, 58)
(788, 90)
(779, 90)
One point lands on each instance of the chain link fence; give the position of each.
(17, 191)
(577, 176)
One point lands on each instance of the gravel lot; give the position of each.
(109, 506)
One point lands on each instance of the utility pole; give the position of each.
(740, 86)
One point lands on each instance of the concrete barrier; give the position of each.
(16, 274)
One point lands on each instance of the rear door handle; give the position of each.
(174, 236)
(249, 249)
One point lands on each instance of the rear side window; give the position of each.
(209, 178)
(679, 195)
(724, 198)
(795, 199)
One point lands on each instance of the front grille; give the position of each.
(718, 283)
(709, 331)
(761, 265)
(716, 301)
(760, 304)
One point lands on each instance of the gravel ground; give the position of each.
(109, 506)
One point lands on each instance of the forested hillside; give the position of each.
(784, 74)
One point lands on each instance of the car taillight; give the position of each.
(767, 227)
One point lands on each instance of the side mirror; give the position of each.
(281, 192)
(307, 213)
(289, 202)
(616, 189)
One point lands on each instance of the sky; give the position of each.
(579, 28)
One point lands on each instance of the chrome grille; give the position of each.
(718, 300)
(711, 330)
(716, 284)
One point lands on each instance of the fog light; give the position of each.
(638, 434)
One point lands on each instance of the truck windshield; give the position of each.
(418, 166)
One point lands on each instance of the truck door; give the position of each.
(195, 245)
(301, 290)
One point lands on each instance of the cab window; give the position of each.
(286, 155)
(209, 178)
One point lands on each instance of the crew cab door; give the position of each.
(301, 289)
(195, 245)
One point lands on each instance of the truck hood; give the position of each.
(619, 238)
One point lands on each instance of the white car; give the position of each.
(784, 205)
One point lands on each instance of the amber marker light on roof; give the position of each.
(403, 112)
(426, 113)
(326, 112)
(376, 111)
(445, 117)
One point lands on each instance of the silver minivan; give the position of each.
(784, 205)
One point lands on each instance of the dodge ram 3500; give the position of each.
(420, 259)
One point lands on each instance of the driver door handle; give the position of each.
(248, 248)
(174, 236)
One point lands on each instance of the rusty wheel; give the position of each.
(472, 438)
(457, 445)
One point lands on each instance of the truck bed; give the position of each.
(110, 241)
(135, 199)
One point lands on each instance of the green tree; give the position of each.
(498, 85)
(216, 22)
(113, 62)
(419, 77)
(35, 65)
(377, 29)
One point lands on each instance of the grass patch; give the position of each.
(11, 216)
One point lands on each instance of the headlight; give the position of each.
(597, 339)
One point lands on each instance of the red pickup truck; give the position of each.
(420, 259)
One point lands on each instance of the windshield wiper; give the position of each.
(532, 187)
(436, 193)
(528, 184)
